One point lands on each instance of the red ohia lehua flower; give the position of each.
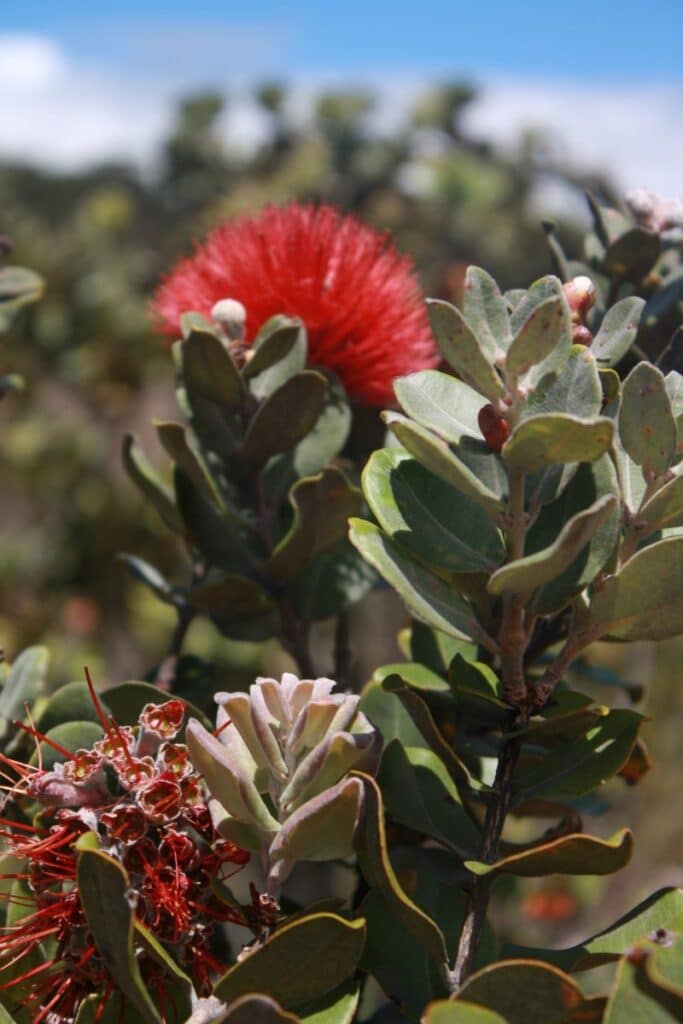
(137, 790)
(356, 294)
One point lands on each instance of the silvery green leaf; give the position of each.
(323, 828)
(230, 781)
(460, 347)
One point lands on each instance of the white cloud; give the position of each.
(64, 113)
(29, 63)
(632, 131)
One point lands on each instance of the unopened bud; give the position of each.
(494, 427)
(230, 316)
(581, 335)
(581, 295)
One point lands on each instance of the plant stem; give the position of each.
(512, 636)
(166, 673)
(496, 814)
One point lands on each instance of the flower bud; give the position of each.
(494, 427)
(287, 746)
(231, 317)
(581, 295)
(581, 335)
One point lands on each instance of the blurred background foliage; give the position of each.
(94, 369)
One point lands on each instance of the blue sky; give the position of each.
(84, 81)
(622, 39)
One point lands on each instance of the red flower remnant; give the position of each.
(356, 294)
(149, 813)
(494, 427)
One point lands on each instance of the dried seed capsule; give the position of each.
(494, 427)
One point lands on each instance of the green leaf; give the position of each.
(442, 403)
(486, 312)
(330, 433)
(279, 352)
(254, 1009)
(568, 855)
(427, 596)
(401, 967)
(663, 909)
(647, 427)
(547, 287)
(422, 717)
(338, 1007)
(387, 713)
(301, 961)
(463, 351)
(24, 682)
(434, 522)
(632, 255)
(126, 701)
(642, 601)
(576, 390)
(576, 768)
(538, 337)
(412, 673)
(557, 438)
(69, 703)
(103, 887)
(373, 856)
(286, 416)
(209, 373)
(151, 577)
(334, 580)
(639, 994)
(72, 736)
(230, 598)
(617, 331)
(525, 574)
(665, 508)
(5, 1018)
(174, 440)
(272, 345)
(224, 542)
(149, 483)
(477, 690)
(438, 457)
(522, 991)
(591, 482)
(448, 1012)
(322, 506)
(420, 794)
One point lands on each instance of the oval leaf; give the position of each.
(104, 887)
(462, 350)
(286, 416)
(647, 427)
(569, 855)
(427, 596)
(617, 331)
(525, 574)
(643, 601)
(557, 438)
(435, 522)
(301, 961)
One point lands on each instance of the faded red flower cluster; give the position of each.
(356, 294)
(137, 790)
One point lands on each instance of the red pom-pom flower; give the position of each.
(357, 295)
